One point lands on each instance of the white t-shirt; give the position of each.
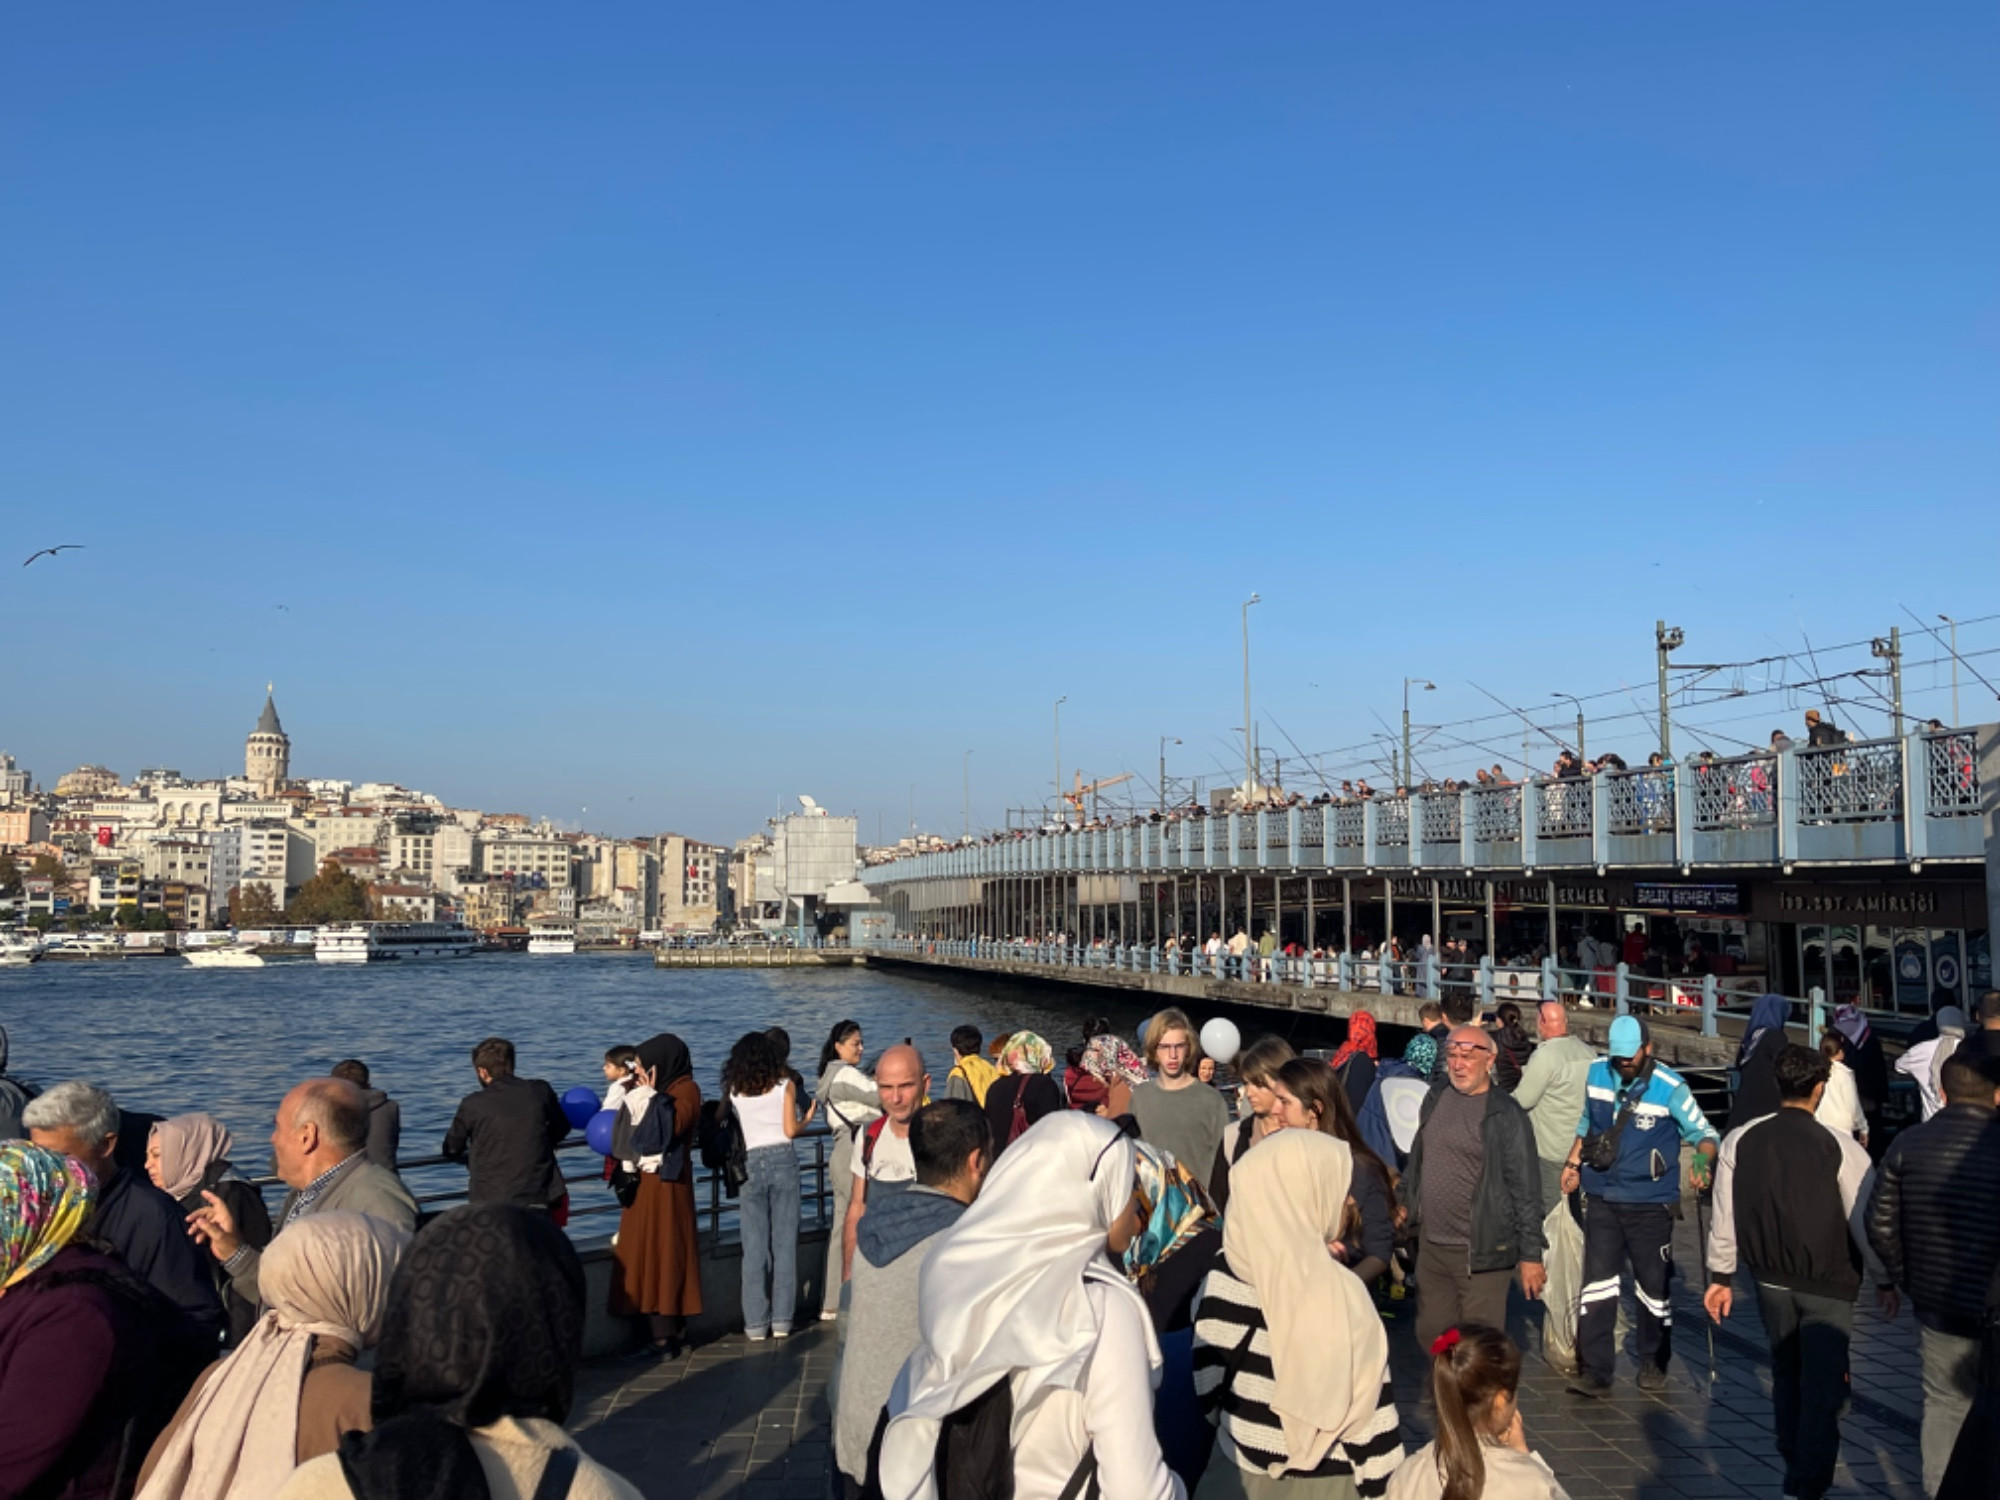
(892, 1163)
(763, 1117)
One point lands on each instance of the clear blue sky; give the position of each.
(666, 410)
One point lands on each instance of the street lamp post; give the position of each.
(1059, 802)
(1954, 668)
(1165, 740)
(1409, 773)
(1249, 749)
(1580, 753)
(966, 768)
(1666, 639)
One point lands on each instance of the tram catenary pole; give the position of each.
(1666, 639)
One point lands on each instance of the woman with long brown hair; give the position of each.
(1481, 1451)
(1309, 1097)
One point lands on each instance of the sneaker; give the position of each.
(756, 1335)
(1586, 1384)
(828, 1314)
(781, 1330)
(1652, 1378)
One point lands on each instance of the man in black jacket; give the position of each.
(1474, 1191)
(1934, 1220)
(1787, 1190)
(507, 1134)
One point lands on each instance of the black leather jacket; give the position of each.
(1931, 1217)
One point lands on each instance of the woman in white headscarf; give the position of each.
(1290, 1359)
(291, 1390)
(1026, 1288)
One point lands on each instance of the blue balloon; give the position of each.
(580, 1106)
(598, 1131)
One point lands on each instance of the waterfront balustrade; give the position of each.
(1624, 991)
(1899, 800)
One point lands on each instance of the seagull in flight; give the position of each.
(285, 607)
(52, 551)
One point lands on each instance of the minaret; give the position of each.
(267, 756)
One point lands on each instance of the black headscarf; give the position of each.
(485, 1321)
(669, 1054)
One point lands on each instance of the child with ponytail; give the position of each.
(1480, 1452)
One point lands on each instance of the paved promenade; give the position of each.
(736, 1419)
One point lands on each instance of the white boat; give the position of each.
(224, 956)
(552, 940)
(392, 942)
(18, 950)
(87, 945)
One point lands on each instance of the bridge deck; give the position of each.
(736, 1419)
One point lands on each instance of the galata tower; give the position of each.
(267, 756)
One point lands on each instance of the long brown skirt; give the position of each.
(656, 1264)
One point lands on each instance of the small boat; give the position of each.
(18, 950)
(230, 955)
(552, 940)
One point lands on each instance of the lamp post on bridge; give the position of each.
(965, 830)
(1249, 749)
(1666, 638)
(1954, 668)
(1409, 770)
(1580, 754)
(1165, 740)
(1059, 802)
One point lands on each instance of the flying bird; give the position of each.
(285, 607)
(52, 551)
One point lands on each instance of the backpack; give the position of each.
(719, 1138)
(975, 1453)
(870, 1134)
(979, 1075)
(1017, 1126)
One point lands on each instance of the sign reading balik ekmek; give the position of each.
(1655, 895)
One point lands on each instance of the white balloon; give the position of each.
(1221, 1040)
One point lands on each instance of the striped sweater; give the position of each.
(1234, 1383)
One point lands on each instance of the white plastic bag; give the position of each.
(1563, 1260)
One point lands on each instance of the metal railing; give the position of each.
(1915, 798)
(713, 1203)
(1423, 977)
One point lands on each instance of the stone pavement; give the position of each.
(737, 1419)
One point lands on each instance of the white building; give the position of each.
(538, 857)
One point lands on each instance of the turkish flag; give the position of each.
(105, 836)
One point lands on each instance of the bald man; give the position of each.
(319, 1145)
(1474, 1193)
(1551, 1090)
(884, 1154)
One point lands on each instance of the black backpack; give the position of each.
(975, 1453)
(719, 1138)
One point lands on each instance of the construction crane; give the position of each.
(1075, 797)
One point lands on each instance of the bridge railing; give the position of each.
(1917, 797)
(1424, 976)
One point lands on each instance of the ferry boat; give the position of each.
(552, 940)
(386, 942)
(224, 955)
(18, 950)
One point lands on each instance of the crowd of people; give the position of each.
(1093, 1271)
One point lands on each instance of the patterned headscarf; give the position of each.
(1850, 1023)
(1422, 1053)
(44, 1199)
(1027, 1053)
(1176, 1206)
(189, 1145)
(485, 1321)
(1108, 1059)
(1360, 1038)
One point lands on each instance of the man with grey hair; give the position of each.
(319, 1148)
(1473, 1193)
(141, 1224)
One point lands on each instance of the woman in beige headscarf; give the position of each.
(291, 1390)
(1290, 1359)
(187, 1156)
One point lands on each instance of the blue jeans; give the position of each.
(768, 1210)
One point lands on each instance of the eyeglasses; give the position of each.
(1467, 1049)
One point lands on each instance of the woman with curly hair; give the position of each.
(760, 1090)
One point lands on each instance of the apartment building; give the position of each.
(533, 858)
(688, 887)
